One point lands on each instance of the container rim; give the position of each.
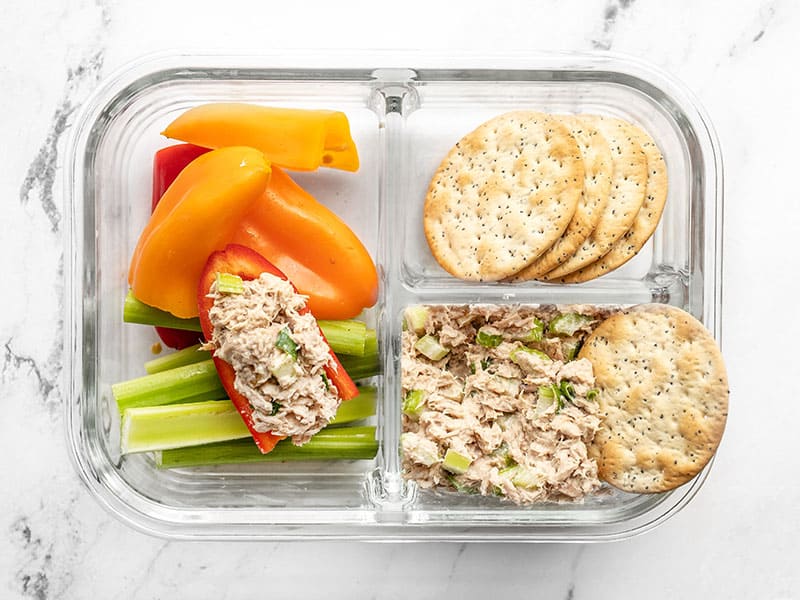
(176, 523)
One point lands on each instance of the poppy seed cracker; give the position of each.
(598, 169)
(503, 195)
(663, 397)
(626, 197)
(646, 220)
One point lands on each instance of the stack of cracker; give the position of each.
(559, 198)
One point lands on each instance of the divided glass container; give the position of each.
(405, 113)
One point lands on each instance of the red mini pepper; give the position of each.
(167, 163)
(249, 264)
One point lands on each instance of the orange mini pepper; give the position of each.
(196, 216)
(316, 250)
(293, 138)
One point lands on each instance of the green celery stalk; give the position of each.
(345, 337)
(363, 367)
(179, 358)
(168, 387)
(136, 311)
(343, 443)
(360, 407)
(148, 428)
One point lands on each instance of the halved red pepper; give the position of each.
(249, 264)
(167, 163)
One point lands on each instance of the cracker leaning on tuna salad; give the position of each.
(495, 404)
(535, 404)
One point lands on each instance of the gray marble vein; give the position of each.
(756, 30)
(33, 575)
(613, 11)
(40, 178)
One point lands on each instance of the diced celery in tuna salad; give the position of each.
(501, 407)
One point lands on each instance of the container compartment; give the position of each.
(403, 121)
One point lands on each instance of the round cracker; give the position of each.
(626, 197)
(598, 169)
(663, 396)
(646, 220)
(502, 195)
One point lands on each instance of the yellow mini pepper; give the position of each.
(293, 138)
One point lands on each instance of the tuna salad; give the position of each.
(494, 402)
(278, 354)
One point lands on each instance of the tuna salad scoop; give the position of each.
(278, 354)
(495, 404)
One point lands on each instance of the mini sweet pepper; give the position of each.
(196, 216)
(293, 138)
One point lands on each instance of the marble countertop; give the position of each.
(737, 539)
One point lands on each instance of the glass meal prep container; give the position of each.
(405, 113)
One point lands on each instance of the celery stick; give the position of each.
(167, 387)
(136, 311)
(150, 428)
(179, 358)
(345, 337)
(360, 407)
(343, 443)
(361, 367)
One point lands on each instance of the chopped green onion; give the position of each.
(346, 337)
(486, 338)
(548, 395)
(592, 394)
(570, 349)
(430, 347)
(168, 387)
(326, 381)
(456, 463)
(568, 323)
(343, 443)
(286, 343)
(535, 333)
(179, 358)
(524, 349)
(486, 362)
(460, 487)
(228, 283)
(136, 311)
(414, 403)
(415, 318)
(567, 390)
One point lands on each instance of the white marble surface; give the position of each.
(737, 539)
